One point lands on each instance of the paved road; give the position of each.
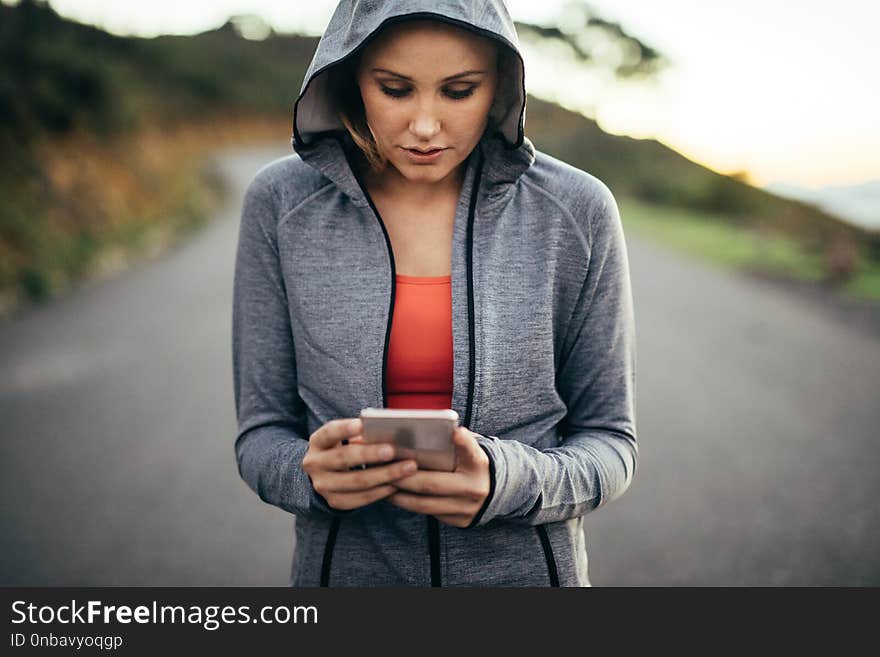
(758, 424)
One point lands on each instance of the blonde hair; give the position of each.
(344, 89)
(343, 86)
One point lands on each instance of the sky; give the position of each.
(784, 91)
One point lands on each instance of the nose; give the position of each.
(425, 124)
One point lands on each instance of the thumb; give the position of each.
(466, 446)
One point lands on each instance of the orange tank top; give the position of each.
(419, 368)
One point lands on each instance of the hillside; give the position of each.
(650, 171)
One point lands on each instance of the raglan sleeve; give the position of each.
(596, 459)
(272, 435)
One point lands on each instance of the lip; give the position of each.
(418, 157)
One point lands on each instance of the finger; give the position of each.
(427, 482)
(353, 440)
(431, 504)
(362, 498)
(345, 457)
(360, 480)
(331, 433)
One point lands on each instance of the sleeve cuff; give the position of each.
(481, 513)
(320, 504)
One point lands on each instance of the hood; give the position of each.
(319, 136)
(355, 23)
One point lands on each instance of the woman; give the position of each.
(489, 278)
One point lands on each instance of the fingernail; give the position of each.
(353, 425)
(386, 452)
(409, 466)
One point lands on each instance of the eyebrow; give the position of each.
(446, 79)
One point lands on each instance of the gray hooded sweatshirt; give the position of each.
(542, 324)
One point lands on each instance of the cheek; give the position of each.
(382, 113)
(472, 112)
(469, 120)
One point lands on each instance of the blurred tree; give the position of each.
(596, 42)
(250, 26)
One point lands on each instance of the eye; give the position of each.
(394, 93)
(455, 95)
(463, 93)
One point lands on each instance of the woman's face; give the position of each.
(415, 97)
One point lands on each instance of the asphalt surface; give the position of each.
(758, 421)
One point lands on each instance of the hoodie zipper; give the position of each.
(433, 525)
(548, 555)
(328, 552)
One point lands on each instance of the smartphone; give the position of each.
(421, 434)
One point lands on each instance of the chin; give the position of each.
(425, 171)
(421, 172)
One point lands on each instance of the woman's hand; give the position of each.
(452, 497)
(328, 463)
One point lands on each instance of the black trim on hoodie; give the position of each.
(472, 363)
(488, 499)
(471, 337)
(354, 170)
(548, 554)
(334, 526)
(434, 550)
(328, 552)
(433, 523)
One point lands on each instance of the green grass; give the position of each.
(866, 284)
(715, 241)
